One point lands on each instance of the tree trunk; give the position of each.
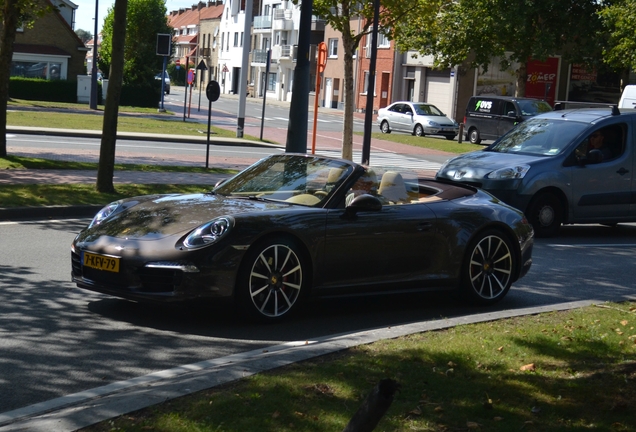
(522, 77)
(347, 132)
(10, 15)
(106, 169)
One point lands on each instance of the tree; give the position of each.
(145, 18)
(340, 14)
(477, 31)
(620, 51)
(106, 168)
(84, 35)
(15, 13)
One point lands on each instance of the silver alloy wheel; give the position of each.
(275, 280)
(419, 130)
(490, 267)
(473, 136)
(384, 127)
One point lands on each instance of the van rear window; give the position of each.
(533, 107)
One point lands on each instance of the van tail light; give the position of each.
(464, 119)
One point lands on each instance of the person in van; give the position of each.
(490, 117)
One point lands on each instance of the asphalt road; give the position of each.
(57, 339)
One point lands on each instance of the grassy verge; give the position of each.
(92, 121)
(561, 371)
(80, 194)
(19, 162)
(435, 143)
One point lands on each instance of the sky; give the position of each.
(85, 13)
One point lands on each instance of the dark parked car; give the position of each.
(569, 166)
(279, 232)
(490, 117)
(416, 118)
(166, 81)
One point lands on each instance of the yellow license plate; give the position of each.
(101, 262)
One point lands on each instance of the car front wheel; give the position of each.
(545, 213)
(271, 280)
(488, 268)
(473, 136)
(418, 131)
(384, 127)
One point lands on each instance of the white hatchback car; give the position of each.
(417, 118)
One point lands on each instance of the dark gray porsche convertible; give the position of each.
(293, 226)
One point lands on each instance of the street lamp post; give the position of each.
(93, 100)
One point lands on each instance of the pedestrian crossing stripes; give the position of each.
(389, 160)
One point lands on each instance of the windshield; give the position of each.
(425, 109)
(291, 178)
(533, 107)
(541, 137)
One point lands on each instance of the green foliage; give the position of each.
(478, 30)
(84, 35)
(618, 18)
(144, 19)
(145, 94)
(44, 90)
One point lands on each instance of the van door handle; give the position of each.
(622, 171)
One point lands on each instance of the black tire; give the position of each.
(272, 280)
(473, 136)
(450, 137)
(384, 127)
(488, 268)
(545, 213)
(418, 131)
(167, 91)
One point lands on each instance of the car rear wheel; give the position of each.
(545, 213)
(418, 131)
(384, 127)
(488, 268)
(271, 280)
(473, 136)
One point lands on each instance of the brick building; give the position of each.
(50, 49)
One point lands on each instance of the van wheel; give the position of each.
(384, 127)
(473, 136)
(545, 213)
(418, 131)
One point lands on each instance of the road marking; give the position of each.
(592, 245)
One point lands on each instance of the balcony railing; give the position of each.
(259, 56)
(262, 22)
(287, 52)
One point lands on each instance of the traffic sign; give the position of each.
(202, 66)
(213, 91)
(190, 76)
(177, 62)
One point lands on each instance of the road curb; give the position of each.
(79, 410)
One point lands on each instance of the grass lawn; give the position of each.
(78, 194)
(559, 371)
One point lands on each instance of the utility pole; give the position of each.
(299, 107)
(93, 99)
(249, 5)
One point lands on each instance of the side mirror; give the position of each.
(511, 114)
(593, 157)
(363, 202)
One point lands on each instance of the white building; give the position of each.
(232, 41)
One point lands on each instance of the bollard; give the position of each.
(461, 133)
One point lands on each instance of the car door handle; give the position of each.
(622, 171)
(424, 226)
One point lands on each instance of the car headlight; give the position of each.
(516, 172)
(208, 233)
(432, 123)
(105, 213)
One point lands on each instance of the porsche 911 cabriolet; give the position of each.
(295, 226)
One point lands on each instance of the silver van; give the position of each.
(561, 167)
(490, 117)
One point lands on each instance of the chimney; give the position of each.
(181, 11)
(201, 5)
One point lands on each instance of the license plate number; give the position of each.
(101, 262)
